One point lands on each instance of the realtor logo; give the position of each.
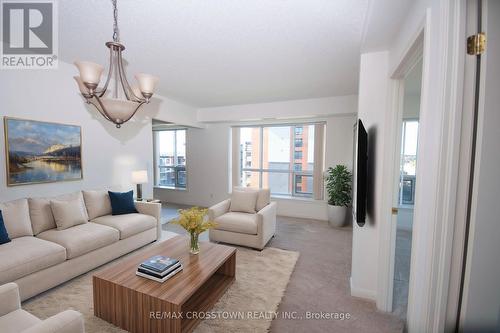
(29, 34)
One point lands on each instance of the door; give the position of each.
(479, 304)
(406, 183)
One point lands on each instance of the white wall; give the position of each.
(208, 150)
(108, 154)
(373, 93)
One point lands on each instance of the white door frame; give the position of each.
(432, 240)
(393, 119)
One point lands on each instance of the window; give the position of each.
(408, 162)
(170, 159)
(281, 158)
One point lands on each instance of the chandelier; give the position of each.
(120, 105)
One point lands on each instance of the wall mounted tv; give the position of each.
(360, 173)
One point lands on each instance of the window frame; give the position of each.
(177, 168)
(291, 172)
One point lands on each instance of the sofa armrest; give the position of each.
(219, 209)
(153, 209)
(267, 220)
(68, 321)
(10, 300)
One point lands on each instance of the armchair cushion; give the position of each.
(17, 321)
(68, 321)
(9, 294)
(238, 222)
(243, 202)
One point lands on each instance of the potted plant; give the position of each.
(194, 221)
(338, 185)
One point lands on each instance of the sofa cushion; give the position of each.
(243, 202)
(67, 213)
(26, 255)
(97, 203)
(16, 217)
(127, 224)
(17, 321)
(243, 223)
(41, 215)
(71, 196)
(122, 202)
(263, 195)
(82, 238)
(4, 235)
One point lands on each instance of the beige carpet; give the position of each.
(261, 280)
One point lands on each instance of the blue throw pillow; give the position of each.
(4, 236)
(122, 202)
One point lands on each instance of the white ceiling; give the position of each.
(224, 52)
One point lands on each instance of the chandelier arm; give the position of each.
(123, 77)
(110, 74)
(125, 84)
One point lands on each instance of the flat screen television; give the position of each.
(360, 173)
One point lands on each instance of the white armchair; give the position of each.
(248, 218)
(13, 319)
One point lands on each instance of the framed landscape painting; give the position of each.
(42, 152)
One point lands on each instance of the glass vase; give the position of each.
(194, 247)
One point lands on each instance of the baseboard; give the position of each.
(362, 293)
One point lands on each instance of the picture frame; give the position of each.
(41, 152)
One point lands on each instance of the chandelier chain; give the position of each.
(116, 32)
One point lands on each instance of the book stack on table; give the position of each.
(159, 268)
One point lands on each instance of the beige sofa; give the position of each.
(249, 222)
(40, 256)
(13, 319)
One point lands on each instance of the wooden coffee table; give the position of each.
(141, 305)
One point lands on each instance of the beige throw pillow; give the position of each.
(243, 202)
(16, 216)
(67, 213)
(71, 196)
(98, 203)
(263, 195)
(41, 215)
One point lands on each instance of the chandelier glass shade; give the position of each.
(116, 99)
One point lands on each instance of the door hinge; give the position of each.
(394, 211)
(476, 44)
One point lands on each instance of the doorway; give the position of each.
(406, 180)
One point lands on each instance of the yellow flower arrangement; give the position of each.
(194, 221)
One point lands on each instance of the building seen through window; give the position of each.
(278, 157)
(170, 150)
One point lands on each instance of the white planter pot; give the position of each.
(337, 216)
